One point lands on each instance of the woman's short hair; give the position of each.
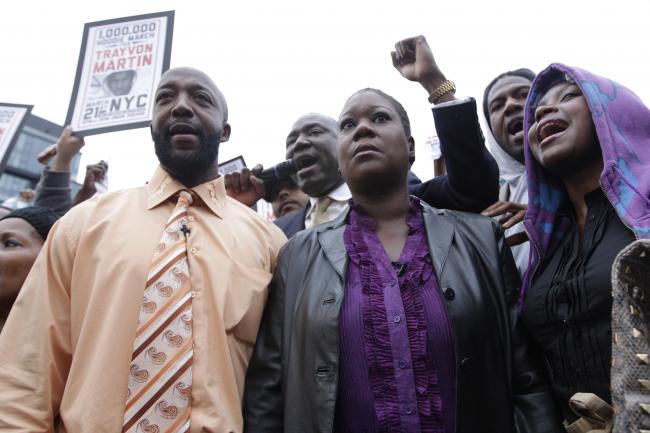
(401, 112)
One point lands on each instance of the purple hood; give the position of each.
(623, 127)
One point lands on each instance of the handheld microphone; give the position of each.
(278, 172)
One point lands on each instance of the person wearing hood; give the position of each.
(587, 153)
(503, 106)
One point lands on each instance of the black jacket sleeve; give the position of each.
(263, 398)
(535, 409)
(472, 180)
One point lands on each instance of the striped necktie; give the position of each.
(160, 380)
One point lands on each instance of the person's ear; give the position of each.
(225, 133)
(411, 150)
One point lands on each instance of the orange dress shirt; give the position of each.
(66, 347)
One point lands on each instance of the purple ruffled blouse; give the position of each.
(396, 367)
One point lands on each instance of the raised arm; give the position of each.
(53, 190)
(95, 173)
(472, 180)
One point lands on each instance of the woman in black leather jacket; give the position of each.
(394, 317)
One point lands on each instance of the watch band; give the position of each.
(446, 87)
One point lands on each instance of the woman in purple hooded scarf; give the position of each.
(587, 157)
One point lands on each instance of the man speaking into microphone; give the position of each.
(311, 143)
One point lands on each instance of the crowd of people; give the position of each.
(510, 294)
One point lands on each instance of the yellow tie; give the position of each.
(320, 210)
(160, 380)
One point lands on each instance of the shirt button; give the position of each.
(191, 218)
(408, 410)
(402, 363)
(396, 318)
(464, 364)
(449, 293)
(193, 250)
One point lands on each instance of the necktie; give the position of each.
(160, 380)
(320, 210)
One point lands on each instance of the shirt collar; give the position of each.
(341, 193)
(162, 186)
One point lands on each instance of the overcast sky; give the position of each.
(276, 60)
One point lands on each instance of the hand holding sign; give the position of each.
(65, 149)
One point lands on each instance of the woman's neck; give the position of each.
(384, 206)
(579, 183)
(389, 210)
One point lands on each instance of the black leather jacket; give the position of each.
(293, 374)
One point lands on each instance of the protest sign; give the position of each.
(12, 118)
(120, 64)
(235, 164)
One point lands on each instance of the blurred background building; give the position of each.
(23, 169)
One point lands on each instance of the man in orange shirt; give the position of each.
(141, 311)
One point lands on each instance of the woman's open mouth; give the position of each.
(549, 130)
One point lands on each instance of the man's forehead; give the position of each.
(507, 84)
(311, 120)
(187, 77)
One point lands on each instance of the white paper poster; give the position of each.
(12, 117)
(119, 68)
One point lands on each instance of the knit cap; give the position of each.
(41, 218)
